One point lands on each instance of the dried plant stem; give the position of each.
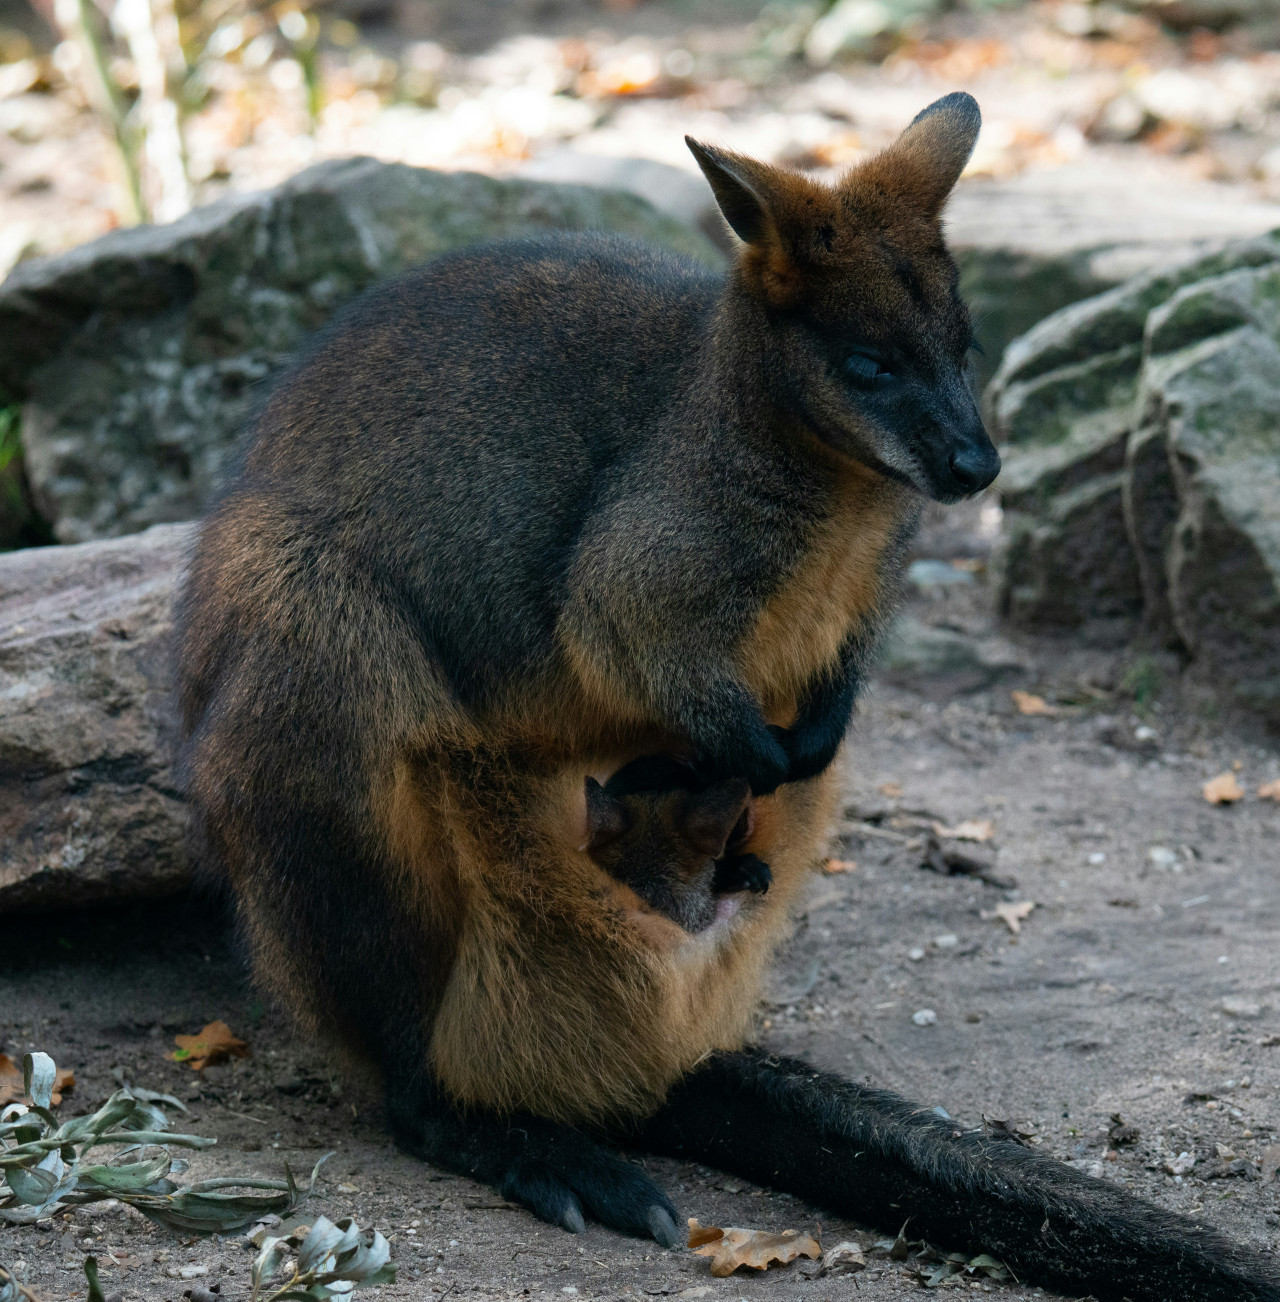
(151, 29)
(78, 23)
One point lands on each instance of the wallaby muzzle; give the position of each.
(963, 460)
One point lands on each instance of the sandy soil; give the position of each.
(1111, 1000)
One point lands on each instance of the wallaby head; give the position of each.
(663, 841)
(859, 302)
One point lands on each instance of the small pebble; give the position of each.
(946, 942)
(1097, 857)
(925, 1017)
(916, 954)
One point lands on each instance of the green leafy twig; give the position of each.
(44, 1166)
(330, 1260)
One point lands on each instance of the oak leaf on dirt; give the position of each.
(893, 790)
(215, 1043)
(731, 1247)
(1270, 790)
(1030, 703)
(1223, 790)
(11, 1089)
(840, 866)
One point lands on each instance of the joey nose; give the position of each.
(974, 467)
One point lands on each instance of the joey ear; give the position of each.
(712, 815)
(927, 158)
(607, 818)
(743, 205)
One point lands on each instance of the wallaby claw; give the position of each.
(572, 1219)
(662, 1227)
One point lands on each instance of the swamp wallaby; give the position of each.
(525, 515)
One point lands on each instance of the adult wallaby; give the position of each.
(525, 515)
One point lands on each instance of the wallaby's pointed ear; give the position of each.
(926, 160)
(607, 818)
(714, 813)
(744, 208)
(781, 218)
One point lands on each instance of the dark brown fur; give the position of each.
(674, 841)
(525, 515)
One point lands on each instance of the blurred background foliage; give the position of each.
(193, 96)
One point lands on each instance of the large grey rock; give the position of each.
(1031, 244)
(88, 805)
(139, 356)
(1142, 453)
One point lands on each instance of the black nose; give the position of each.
(973, 468)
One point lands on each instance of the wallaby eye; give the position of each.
(868, 370)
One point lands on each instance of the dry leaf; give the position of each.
(1270, 790)
(730, 1248)
(214, 1044)
(1029, 703)
(972, 829)
(840, 866)
(1012, 914)
(845, 1258)
(1223, 790)
(891, 789)
(11, 1082)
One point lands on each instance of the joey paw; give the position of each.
(743, 872)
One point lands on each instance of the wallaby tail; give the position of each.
(872, 1156)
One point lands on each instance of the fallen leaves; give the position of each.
(845, 1258)
(972, 829)
(731, 1247)
(1012, 913)
(215, 1043)
(12, 1089)
(891, 790)
(1223, 790)
(840, 866)
(1270, 790)
(1029, 703)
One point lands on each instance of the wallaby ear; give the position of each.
(711, 815)
(607, 818)
(926, 160)
(777, 215)
(744, 207)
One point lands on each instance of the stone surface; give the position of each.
(88, 805)
(1142, 453)
(138, 356)
(1031, 244)
(915, 652)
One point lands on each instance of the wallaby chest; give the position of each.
(837, 587)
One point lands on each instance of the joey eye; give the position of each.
(867, 370)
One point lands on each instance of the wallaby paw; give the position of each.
(754, 873)
(565, 1191)
(760, 759)
(742, 872)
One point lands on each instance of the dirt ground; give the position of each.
(1110, 1000)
